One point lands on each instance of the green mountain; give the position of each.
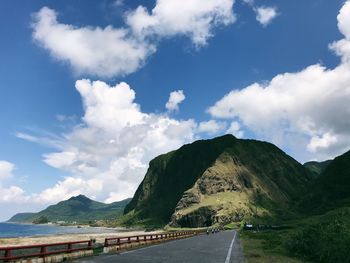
(316, 168)
(331, 189)
(21, 217)
(79, 209)
(220, 180)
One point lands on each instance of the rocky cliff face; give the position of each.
(217, 181)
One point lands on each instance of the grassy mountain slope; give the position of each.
(21, 217)
(316, 168)
(331, 189)
(203, 179)
(80, 209)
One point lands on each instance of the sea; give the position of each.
(26, 230)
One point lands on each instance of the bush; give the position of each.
(327, 241)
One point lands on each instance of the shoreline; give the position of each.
(65, 237)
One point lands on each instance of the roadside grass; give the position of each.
(265, 247)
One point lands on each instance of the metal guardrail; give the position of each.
(115, 241)
(42, 250)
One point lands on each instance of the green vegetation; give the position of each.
(21, 217)
(316, 168)
(323, 239)
(41, 220)
(261, 247)
(321, 233)
(331, 190)
(79, 209)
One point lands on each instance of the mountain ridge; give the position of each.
(76, 209)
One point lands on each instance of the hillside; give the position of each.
(78, 209)
(316, 168)
(21, 217)
(331, 189)
(219, 180)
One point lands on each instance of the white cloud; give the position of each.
(308, 109)
(235, 129)
(344, 20)
(107, 154)
(265, 15)
(98, 51)
(110, 51)
(6, 169)
(118, 3)
(12, 193)
(175, 98)
(211, 127)
(193, 18)
(319, 142)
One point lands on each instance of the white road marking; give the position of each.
(230, 249)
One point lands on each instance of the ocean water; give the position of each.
(25, 230)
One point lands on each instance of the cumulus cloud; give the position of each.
(193, 18)
(265, 15)
(107, 154)
(211, 127)
(98, 51)
(8, 193)
(235, 129)
(175, 98)
(6, 169)
(308, 109)
(110, 51)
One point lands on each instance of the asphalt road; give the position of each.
(223, 247)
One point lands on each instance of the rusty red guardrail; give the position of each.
(113, 241)
(42, 250)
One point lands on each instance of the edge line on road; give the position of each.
(230, 249)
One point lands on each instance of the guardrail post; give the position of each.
(43, 250)
(144, 238)
(129, 240)
(90, 244)
(118, 241)
(137, 239)
(69, 246)
(7, 253)
(106, 242)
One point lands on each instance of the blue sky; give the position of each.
(54, 130)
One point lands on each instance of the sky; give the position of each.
(92, 90)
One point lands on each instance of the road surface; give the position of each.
(222, 247)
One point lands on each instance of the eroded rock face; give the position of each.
(202, 217)
(227, 174)
(189, 198)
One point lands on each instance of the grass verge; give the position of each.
(265, 247)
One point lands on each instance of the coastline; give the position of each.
(57, 238)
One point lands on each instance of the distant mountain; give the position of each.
(331, 189)
(220, 180)
(79, 209)
(21, 217)
(316, 168)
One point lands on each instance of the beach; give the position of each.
(57, 238)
